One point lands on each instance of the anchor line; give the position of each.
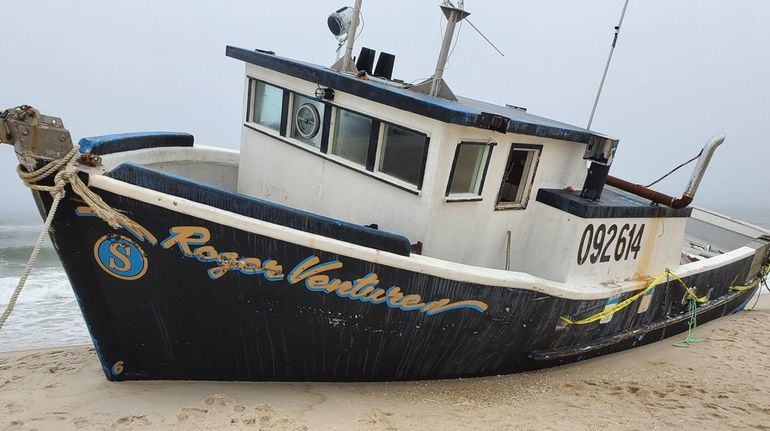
(65, 171)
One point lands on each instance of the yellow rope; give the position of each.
(621, 305)
(763, 274)
(691, 292)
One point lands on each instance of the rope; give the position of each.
(32, 259)
(621, 305)
(761, 280)
(691, 326)
(66, 172)
(693, 296)
(674, 170)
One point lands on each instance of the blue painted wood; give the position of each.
(260, 209)
(464, 112)
(613, 204)
(117, 143)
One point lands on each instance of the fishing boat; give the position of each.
(373, 230)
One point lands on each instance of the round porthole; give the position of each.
(307, 121)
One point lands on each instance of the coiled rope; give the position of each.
(66, 172)
(692, 324)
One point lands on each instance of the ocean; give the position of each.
(47, 314)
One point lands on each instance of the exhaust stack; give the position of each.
(692, 185)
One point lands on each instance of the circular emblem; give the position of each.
(120, 257)
(308, 121)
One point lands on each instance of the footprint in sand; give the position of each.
(224, 401)
(187, 414)
(13, 407)
(380, 419)
(268, 417)
(133, 420)
(219, 410)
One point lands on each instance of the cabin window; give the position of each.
(307, 120)
(267, 105)
(352, 135)
(387, 152)
(469, 168)
(518, 177)
(402, 154)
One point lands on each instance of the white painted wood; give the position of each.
(465, 232)
(729, 223)
(416, 263)
(544, 242)
(211, 165)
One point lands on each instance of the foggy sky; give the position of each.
(683, 72)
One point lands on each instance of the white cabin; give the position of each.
(468, 181)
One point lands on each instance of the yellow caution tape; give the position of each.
(621, 305)
(763, 274)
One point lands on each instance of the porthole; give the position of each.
(307, 121)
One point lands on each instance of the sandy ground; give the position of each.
(721, 383)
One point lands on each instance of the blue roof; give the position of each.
(463, 112)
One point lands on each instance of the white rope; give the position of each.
(32, 259)
(66, 173)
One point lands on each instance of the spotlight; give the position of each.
(339, 22)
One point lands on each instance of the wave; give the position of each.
(23, 228)
(45, 285)
(46, 315)
(18, 256)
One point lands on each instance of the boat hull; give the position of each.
(166, 309)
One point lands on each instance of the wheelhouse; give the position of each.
(466, 181)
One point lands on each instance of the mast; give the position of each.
(347, 60)
(453, 16)
(435, 85)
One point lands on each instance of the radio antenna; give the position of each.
(607, 67)
(462, 6)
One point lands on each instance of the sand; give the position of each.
(721, 383)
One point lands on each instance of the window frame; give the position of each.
(328, 125)
(469, 197)
(528, 179)
(287, 109)
(379, 154)
(373, 140)
(250, 106)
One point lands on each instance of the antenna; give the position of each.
(462, 6)
(435, 86)
(607, 67)
(453, 16)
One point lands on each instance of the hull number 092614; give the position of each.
(603, 243)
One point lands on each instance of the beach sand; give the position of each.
(721, 383)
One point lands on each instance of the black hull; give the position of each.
(175, 321)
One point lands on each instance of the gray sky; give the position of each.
(683, 71)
